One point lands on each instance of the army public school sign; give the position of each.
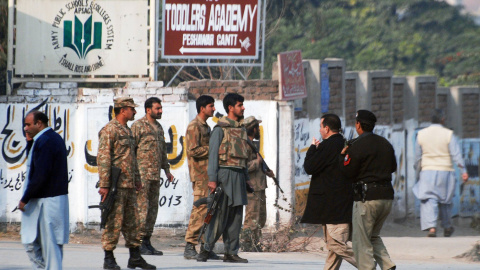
(210, 29)
(81, 37)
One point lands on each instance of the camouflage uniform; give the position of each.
(196, 140)
(117, 148)
(256, 210)
(151, 157)
(228, 155)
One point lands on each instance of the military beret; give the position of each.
(250, 122)
(124, 102)
(364, 116)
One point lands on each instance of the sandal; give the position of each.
(432, 233)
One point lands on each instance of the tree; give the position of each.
(406, 36)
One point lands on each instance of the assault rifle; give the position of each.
(265, 167)
(107, 204)
(212, 201)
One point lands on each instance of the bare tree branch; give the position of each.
(190, 75)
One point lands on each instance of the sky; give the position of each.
(471, 6)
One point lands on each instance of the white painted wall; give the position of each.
(80, 123)
(286, 169)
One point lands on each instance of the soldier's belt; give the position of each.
(235, 169)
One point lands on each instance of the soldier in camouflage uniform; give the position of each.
(151, 157)
(256, 210)
(227, 167)
(116, 147)
(196, 141)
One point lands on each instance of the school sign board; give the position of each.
(210, 29)
(81, 37)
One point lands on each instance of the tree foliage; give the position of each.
(406, 36)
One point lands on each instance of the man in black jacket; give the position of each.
(369, 162)
(330, 196)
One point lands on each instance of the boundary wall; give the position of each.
(78, 114)
(402, 105)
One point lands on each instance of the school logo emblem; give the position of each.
(82, 36)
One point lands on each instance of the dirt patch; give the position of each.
(9, 236)
(473, 255)
(300, 237)
(162, 238)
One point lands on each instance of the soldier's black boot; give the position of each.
(149, 246)
(109, 261)
(212, 255)
(144, 250)
(190, 252)
(136, 260)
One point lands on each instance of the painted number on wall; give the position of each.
(172, 200)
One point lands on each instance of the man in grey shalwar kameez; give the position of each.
(227, 167)
(45, 217)
(435, 149)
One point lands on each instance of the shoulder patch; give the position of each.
(346, 160)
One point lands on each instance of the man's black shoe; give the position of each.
(109, 261)
(203, 255)
(212, 255)
(136, 260)
(190, 252)
(448, 232)
(148, 245)
(234, 259)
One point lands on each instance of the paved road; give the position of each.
(407, 252)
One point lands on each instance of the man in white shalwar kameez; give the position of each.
(436, 151)
(45, 217)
